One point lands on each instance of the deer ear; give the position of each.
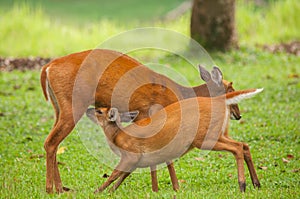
(128, 116)
(216, 76)
(204, 74)
(113, 114)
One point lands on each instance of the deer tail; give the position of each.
(44, 81)
(237, 96)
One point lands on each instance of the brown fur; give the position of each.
(106, 78)
(173, 131)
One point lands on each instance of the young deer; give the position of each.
(106, 78)
(173, 131)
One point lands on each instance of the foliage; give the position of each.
(91, 11)
(275, 23)
(28, 31)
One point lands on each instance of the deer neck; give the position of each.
(111, 129)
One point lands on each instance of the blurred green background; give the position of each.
(38, 27)
(95, 10)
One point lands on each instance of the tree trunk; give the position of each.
(213, 23)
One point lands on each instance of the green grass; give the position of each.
(91, 11)
(31, 31)
(275, 23)
(270, 126)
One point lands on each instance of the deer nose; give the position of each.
(238, 117)
(234, 116)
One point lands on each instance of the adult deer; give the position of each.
(109, 78)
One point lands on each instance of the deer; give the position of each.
(106, 78)
(173, 131)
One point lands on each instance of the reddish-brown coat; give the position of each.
(105, 78)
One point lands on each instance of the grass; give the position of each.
(44, 36)
(30, 31)
(271, 24)
(91, 11)
(270, 120)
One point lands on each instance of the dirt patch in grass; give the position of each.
(290, 48)
(30, 63)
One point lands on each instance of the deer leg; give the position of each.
(51, 174)
(51, 160)
(63, 127)
(120, 180)
(56, 177)
(123, 169)
(115, 175)
(250, 165)
(154, 178)
(49, 170)
(173, 176)
(58, 133)
(236, 148)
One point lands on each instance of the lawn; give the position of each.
(270, 123)
(91, 11)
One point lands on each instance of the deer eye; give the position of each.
(99, 112)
